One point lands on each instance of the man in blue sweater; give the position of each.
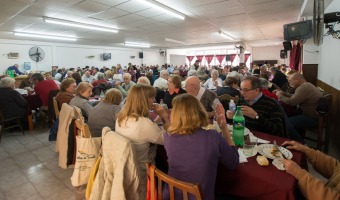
(15, 68)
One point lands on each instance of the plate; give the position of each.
(246, 130)
(265, 150)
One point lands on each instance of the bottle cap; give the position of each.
(231, 101)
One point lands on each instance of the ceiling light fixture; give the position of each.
(163, 8)
(225, 35)
(79, 25)
(132, 44)
(175, 41)
(38, 35)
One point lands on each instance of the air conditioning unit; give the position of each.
(132, 57)
(13, 55)
(90, 57)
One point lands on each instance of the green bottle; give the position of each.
(238, 127)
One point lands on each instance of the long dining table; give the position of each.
(252, 181)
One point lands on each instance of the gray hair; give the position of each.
(100, 76)
(214, 71)
(192, 72)
(264, 83)
(143, 80)
(7, 82)
(163, 72)
(127, 75)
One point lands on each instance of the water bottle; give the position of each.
(232, 106)
(102, 95)
(161, 103)
(238, 127)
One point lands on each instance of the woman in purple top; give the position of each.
(193, 152)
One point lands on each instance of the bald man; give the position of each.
(306, 97)
(207, 97)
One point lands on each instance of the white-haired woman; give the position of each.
(213, 82)
(12, 104)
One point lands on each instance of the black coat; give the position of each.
(12, 104)
(279, 79)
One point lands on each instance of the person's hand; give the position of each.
(230, 114)
(220, 118)
(215, 84)
(117, 83)
(159, 110)
(277, 90)
(279, 94)
(248, 111)
(291, 167)
(295, 146)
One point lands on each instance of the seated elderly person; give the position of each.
(81, 100)
(278, 77)
(174, 89)
(230, 88)
(161, 82)
(12, 104)
(87, 77)
(128, 83)
(260, 112)
(207, 97)
(100, 80)
(43, 88)
(213, 82)
(104, 113)
(265, 91)
(66, 91)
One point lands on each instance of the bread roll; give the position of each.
(261, 160)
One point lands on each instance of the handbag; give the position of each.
(88, 151)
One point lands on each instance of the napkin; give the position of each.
(242, 157)
(259, 140)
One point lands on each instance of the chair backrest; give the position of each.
(82, 127)
(153, 172)
(56, 108)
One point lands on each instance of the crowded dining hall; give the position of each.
(214, 100)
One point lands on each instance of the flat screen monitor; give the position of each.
(298, 30)
(106, 56)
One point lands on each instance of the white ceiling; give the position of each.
(255, 22)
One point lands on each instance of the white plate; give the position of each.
(265, 150)
(246, 130)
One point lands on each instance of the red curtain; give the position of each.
(220, 58)
(246, 56)
(209, 58)
(295, 57)
(232, 57)
(199, 58)
(190, 59)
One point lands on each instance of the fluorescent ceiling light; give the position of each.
(79, 25)
(38, 35)
(226, 35)
(132, 44)
(162, 8)
(175, 41)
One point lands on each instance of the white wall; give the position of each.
(68, 55)
(178, 60)
(311, 53)
(329, 67)
(269, 53)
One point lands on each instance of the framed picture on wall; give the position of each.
(27, 65)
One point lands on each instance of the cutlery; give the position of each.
(276, 146)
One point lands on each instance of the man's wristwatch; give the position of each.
(257, 116)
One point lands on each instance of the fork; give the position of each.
(283, 155)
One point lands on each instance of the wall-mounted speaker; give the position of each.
(283, 54)
(140, 54)
(287, 45)
(227, 57)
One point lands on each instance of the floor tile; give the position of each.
(44, 154)
(24, 191)
(12, 180)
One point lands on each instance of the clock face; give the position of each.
(37, 54)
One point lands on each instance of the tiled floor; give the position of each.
(29, 168)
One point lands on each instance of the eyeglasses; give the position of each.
(246, 90)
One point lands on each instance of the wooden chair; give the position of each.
(15, 120)
(56, 108)
(153, 172)
(322, 129)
